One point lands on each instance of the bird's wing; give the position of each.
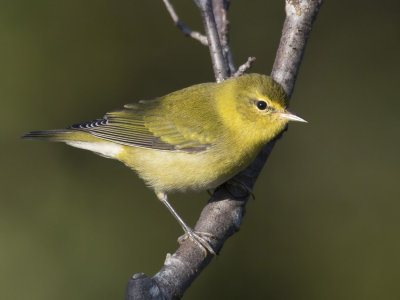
(153, 124)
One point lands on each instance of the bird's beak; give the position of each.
(288, 115)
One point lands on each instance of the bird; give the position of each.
(195, 138)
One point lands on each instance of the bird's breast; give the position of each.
(178, 170)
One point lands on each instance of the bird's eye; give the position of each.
(261, 105)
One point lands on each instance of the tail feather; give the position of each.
(57, 135)
(79, 139)
(62, 135)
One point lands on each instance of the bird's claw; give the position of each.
(199, 238)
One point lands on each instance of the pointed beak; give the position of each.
(288, 115)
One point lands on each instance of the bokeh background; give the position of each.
(73, 225)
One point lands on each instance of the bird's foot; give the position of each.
(200, 239)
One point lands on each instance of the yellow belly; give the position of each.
(168, 171)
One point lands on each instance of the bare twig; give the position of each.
(220, 8)
(243, 68)
(182, 26)
(223, 213)
(220, 66)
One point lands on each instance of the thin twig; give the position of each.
(182, 26)
(243, 68)
(220, 8)
(223, 213)
(220, 65)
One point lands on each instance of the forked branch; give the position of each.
(220, 9)
(219, 62)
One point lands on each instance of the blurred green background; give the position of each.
(73, 225)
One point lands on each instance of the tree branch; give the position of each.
(223, 214)
(186, 30)
(219, 63)
(220, 8)
(300, 16)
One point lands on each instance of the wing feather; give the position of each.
(144, 124)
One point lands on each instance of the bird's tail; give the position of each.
(57, 135)
(79, 139)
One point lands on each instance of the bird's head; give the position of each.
(254, 105)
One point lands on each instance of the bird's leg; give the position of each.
(197, 237)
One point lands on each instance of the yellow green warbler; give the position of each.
(192, 139)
